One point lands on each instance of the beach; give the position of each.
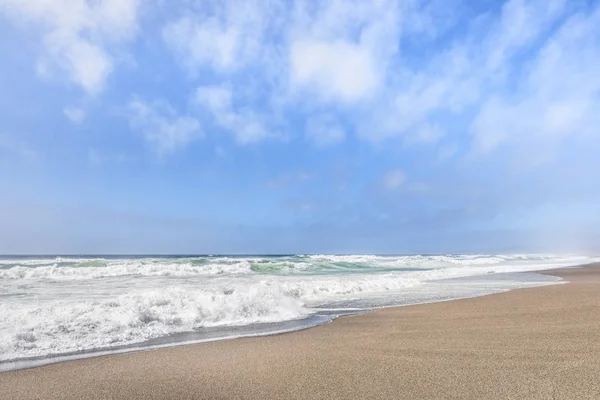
(534, 343)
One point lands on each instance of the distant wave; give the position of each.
(77, 269)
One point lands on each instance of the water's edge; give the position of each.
(321, 317)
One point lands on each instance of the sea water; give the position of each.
(53, 307)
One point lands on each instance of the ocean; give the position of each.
(56, 308)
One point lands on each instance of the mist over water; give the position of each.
(57, 305)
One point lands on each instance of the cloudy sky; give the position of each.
(130, 126)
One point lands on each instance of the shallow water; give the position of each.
(73, 306)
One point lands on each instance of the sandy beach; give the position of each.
(537, 343)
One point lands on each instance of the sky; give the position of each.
(205, 127)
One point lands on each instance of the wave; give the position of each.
(54, 306)
(67, 326)
(82, 323)
(64, 269)
(139, 315)
(103, 269)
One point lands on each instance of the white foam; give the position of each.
(121, 268)
(66, 307)
(73, 325)
(64, 269)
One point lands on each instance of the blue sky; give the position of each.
(297, 127)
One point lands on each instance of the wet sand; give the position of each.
(537, 343)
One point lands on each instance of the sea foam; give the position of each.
(54, 306)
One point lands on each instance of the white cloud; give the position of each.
(216, 98)
(338, 70)
(393, 179)
(515, 76)
(324, 130)
(456, 77)
(203, 43)
(521, 22)
(429, 133)
(335, 51)
(341, 50)
(77, 35)
(163, 128)
(557, 100)
(74, 114)
(224, 36)
(246, 125)
(231, 38)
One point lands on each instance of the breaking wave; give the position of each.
(59, 305)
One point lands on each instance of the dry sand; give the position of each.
(539, 343)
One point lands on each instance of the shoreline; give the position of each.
(539, 341)
(322, 317)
